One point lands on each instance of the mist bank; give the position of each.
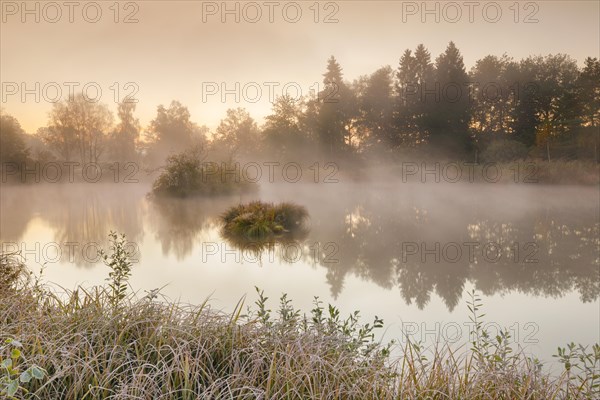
(252, 173)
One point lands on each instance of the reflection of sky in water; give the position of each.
(368, 231)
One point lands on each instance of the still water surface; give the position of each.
(407, 253)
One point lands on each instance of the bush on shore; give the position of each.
(505, 150)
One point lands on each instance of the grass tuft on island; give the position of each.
(105, 342)
(259, 220)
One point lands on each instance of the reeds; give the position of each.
(149, 347)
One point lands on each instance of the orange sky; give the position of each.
(183, 50)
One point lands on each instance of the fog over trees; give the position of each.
(543, 107)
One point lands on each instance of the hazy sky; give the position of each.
(183, 50)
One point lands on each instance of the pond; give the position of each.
(408, 253)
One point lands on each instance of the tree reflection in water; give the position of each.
(373, 231)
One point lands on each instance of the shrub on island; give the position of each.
(186, 174)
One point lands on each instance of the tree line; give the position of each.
(501, 108)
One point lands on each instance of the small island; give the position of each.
(259, 220)
(187, 174)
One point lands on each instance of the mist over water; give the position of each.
(403, 251)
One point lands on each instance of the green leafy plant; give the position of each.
(119, 263)
(582, 367)
(11, 378)
(357, 338)
(493, 353)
